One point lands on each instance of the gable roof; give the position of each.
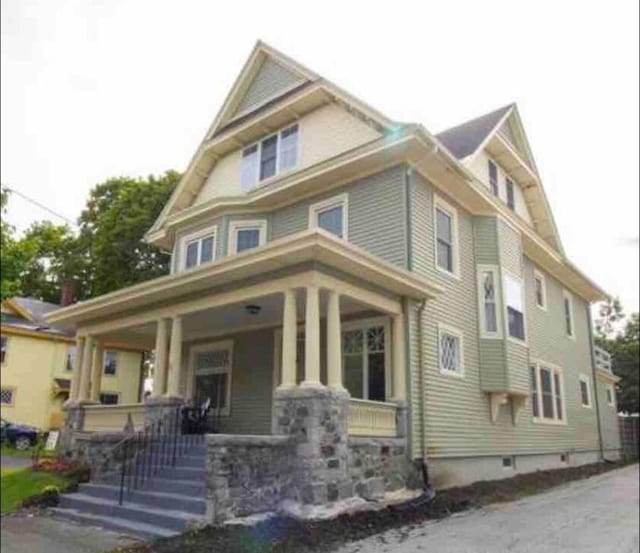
(464, 140)
(29, 314)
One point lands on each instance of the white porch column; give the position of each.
(399, 359)
(85, 374)
(312, 339)
(175, 358)
(334, 342)
(77, 369)
(289, 340)
(96, 372)
(160, 362)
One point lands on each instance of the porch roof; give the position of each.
(315, 245)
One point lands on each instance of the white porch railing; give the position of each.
(113, 418)
(372, 418)
(603, 360)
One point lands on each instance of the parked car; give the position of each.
(19, 436)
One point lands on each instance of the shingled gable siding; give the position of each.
(270, 79)
(458, 422)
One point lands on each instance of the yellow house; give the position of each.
(37, 360)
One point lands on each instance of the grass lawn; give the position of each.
(18, 484)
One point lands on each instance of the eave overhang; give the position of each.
(607, 377)
(314, 245)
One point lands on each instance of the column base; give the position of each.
(312, 384)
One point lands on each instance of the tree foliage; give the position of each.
(624, 347)
(11, 258)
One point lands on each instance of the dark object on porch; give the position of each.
(195, 420)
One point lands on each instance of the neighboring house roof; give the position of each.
(29, 314)
(465, 139)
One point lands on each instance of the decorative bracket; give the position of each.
(497, 399)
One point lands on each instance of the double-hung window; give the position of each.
(540, 285)
(446, 237)
(199, 248)
(489, 296)
(515, 306)
(246, 235)
(493, 177)
(110, 362)
(365, 359)
(585, 391)
(331, 215)
(547, 399)
(450, 351)
(511, 194)
(569, 325)
(272, 155)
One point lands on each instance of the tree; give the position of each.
(624, 347)
(611, 314)
(118, 213)
(12, 257)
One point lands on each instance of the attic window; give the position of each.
(511, 198)
(493, 177)
(271, 156)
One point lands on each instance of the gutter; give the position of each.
(594, 376)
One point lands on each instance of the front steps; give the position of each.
(165, 506)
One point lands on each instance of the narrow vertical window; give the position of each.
(568, 315)
(268, 157)
(533, 377)
(444, 230)
(557, 393)
(3, 348)
(110, 362)
(490, 310)
(540, 290)
(511, 197)
(249, 168)
(515, 307)
(71, 358)
(548, 398)
(493, 177)
(585, 392)
(288, 148)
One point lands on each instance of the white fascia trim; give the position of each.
(234, 226)
(453, 331)
(442, 204)
(334, 201)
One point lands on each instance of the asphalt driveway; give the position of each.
(597, 515)
(10, 462)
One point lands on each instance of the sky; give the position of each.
(95, 89)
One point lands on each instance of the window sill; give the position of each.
(453, 374)
(542, 308)
(586, 406)
(551, 422)
(449, 274)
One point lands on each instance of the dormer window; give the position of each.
(271, 156)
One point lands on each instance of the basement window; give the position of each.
(509, 462)
(564, 458)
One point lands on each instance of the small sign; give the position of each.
(52, 440)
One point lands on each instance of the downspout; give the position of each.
(423, 398)
(595, 380)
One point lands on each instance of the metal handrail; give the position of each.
(157, 446)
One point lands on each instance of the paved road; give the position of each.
(598, 515)
(44, 534)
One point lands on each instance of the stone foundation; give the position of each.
(97, 451)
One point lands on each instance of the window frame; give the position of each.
(315, 209)
(13, 391)
(198, 235)
(109, 393)
(457, 333)
(495, 270)
(105, 354)
(4, 351)
(553, 369)
(610, 389)
(494, 186)
(365, 324)
(566, 295)
(70, 360)
(215, 345)
(237, 225)
(279, 171)
(510, 192)
(584, 379)
(505, 275)
(440, 204)
(538, 275)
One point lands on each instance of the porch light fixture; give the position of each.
(253, 309)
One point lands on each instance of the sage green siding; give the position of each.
(457, 413)
(376, 215)
(271, 79)
(608, 421)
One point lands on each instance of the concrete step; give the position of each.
(165, 518)
(121, 525)
(193, 488)
(192, 474)
(177, 501)
(196, 461)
